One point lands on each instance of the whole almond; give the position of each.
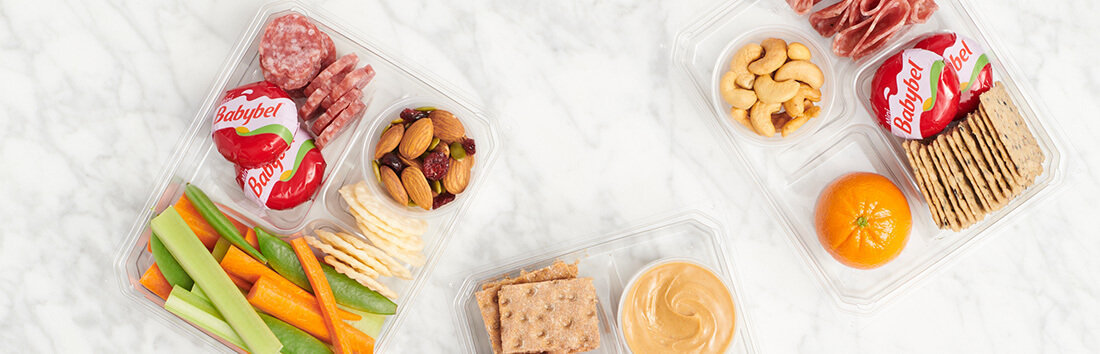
(416, 139)
(389, 140)
(458, 177)
(393, 185)
(410, 162)
(417, 187)
(447, 128)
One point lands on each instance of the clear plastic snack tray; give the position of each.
(791, 172)
(612, 260)
(399, 84)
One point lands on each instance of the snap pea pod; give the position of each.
(294, 340)
(219, 221)
(169, 267)
(347, 291)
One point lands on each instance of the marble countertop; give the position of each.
(97, 92)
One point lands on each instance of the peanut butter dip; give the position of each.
(677, 307)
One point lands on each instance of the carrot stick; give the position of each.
(242, 284)
(155, 282)
(240, 265)
(268, 298)
(323, 292)
(250, 237)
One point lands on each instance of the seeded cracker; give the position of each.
(946, 202)
(487, 298)
(996, 163)
(343, 257)
(949, 189)
(1010, 129)
(1016, 171)
(952, 162)
(557, 315)
(970, 169)
(923, 186)
(1007, 168)
(985, 168)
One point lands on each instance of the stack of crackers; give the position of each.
(393, 238)
(978, 166)
(549, 310)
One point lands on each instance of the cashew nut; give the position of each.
(735, 96)
(811, 110)
(794, 106)
(775, 54)
(741, 116)
(771, 91)
(798, 51)
(802, 71)
(745, 80)
(793, 125)
(761, 118)
(810, 93)
(747, 54)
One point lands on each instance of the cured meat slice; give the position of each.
(827, 21)
(802, 7)
(330, 50)
(332, 112)
(921, 10)
(869, 8)
(339, 67)
(291, 51)
(353, 112)
(887, 22)
(356, 79)
(312, 103)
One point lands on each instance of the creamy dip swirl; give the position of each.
(678, 307)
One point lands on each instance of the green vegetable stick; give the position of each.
(347, 291)
(294, 340)
(193, 256)
(169, 267)
(219, 221)
(195, 311)
(371, 324)
(220, 248)
(197, 291)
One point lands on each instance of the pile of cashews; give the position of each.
(772, 86)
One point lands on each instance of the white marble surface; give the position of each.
(95, 94)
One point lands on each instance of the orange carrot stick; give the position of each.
(155, 282)
(250, 237)
(323, 292)
(271, 300)
(238, 264)
(242, 284)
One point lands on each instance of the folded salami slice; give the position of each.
(921, 10)
(254, 124)
(288, 181)
(802, 7)
(832, 19)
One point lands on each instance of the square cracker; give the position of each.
(951, 190)
(556, 315)
(968, 167)
(922, 184)
(488, 297)
(958, 180)
(1011, 130)
(984, 168)
(1008, 169)
(929, 171)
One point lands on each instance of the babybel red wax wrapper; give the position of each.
(914, 94)
(254, 124)
(290, 180)
(969, 62)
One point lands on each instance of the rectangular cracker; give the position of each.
(966, 164)
(1011, 130)
(1000, 171)
(556, 315)
(954, 195)
(958, 180)
(487, 298)
(922, 184)
(995, 142)
(947, 203)
(984, 168)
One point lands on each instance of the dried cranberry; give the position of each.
(409, 114)
(436, 166)
(391, 160)
(422, 114)
(468, 145)
(442, 199)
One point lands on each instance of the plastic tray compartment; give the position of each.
(612, 261)
(397, 83)
(791, 172)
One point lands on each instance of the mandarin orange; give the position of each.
(863, 220)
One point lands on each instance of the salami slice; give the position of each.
(887, 22)
(353, 112)
(869, 8)
(921, 10)
(330, 50)
(291, 51)
(802, 7)
(356, 79)
(340, 66)
(332, 112)
(312, 103)
(827, 21)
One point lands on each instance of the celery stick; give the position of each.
(197, 291)
(220, 249)
(371, 324)
(201, 266)
(196, 301)
(196, 313)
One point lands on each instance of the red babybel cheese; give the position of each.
(288, 181)
(254, 124)
(914, 95)
(970, 63)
